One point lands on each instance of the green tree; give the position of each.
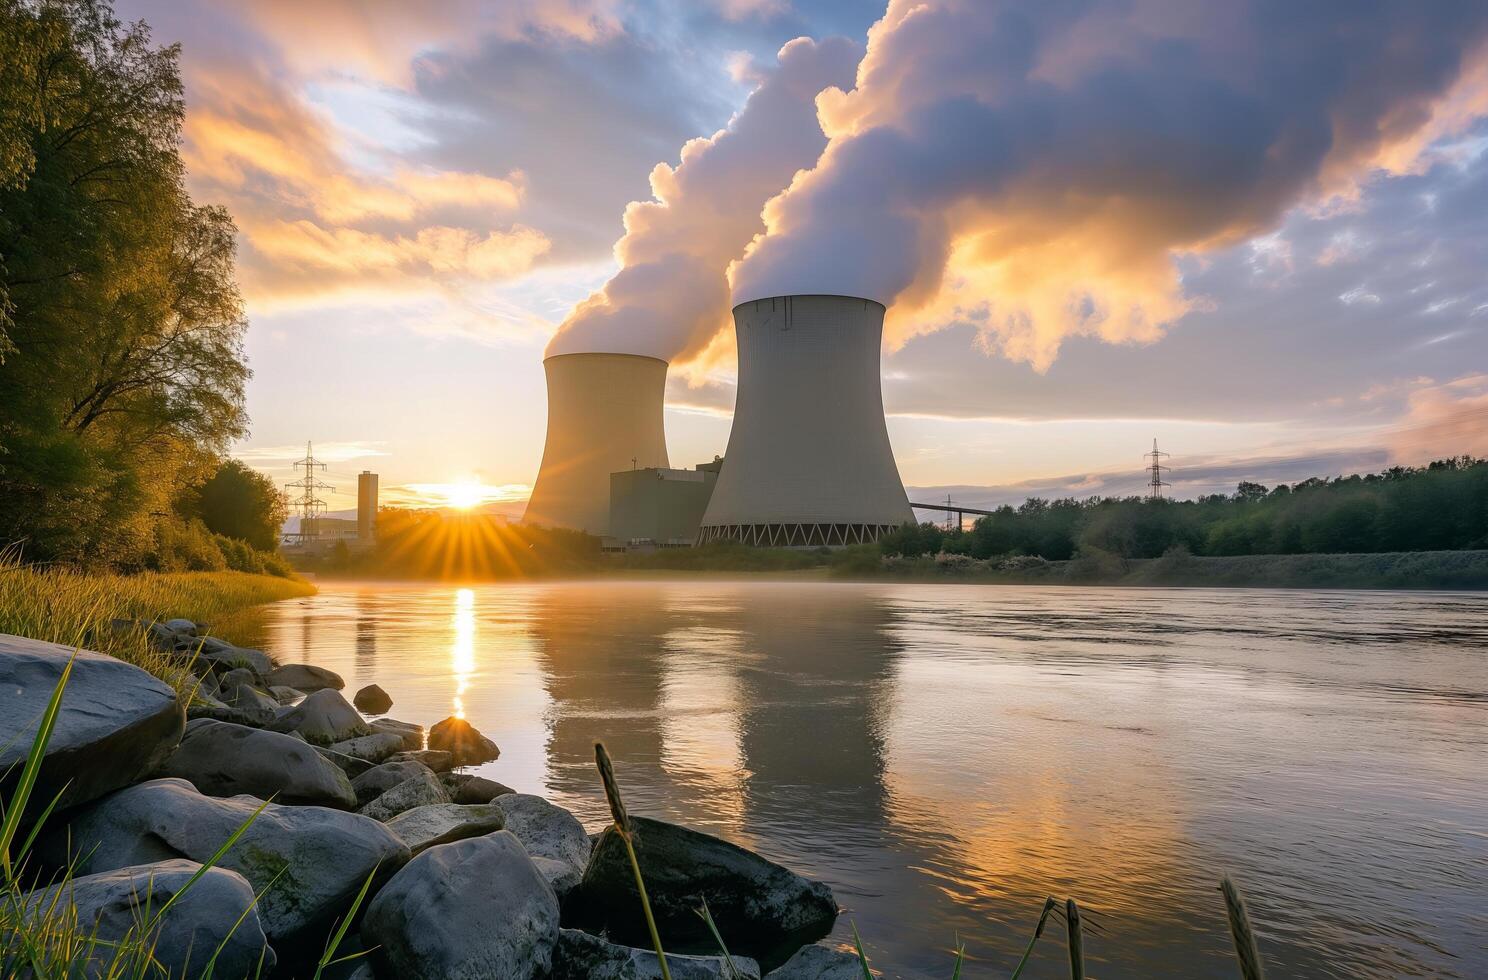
(240, 502)
(125, 375)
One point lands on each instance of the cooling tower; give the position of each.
(604, 415)
(808, 461)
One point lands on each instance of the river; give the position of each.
(946, 756)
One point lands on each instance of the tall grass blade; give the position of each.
(329, 956)
(622, 827)
(862, 956)
(1246, 950)
(728, 961)
(1076, 940)
(960, 959)
(1049, 906)
(29, 773)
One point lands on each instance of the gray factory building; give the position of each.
(659, 507)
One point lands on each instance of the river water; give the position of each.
(946, 756)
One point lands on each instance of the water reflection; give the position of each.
(947, 757)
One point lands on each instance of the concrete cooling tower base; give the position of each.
(809, 462)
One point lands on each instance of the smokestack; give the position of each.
(809, 461)
(366, 505)
(604, 415)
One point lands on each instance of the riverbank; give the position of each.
(73, 608)
(150, 847)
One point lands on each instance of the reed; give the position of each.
(1076, 940)
(1246, 951)
(74, 608)
(623, 829)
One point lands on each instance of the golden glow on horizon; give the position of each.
(466, 494)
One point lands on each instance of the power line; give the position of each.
(308, 504)
(1155, 484)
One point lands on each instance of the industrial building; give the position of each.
(809, 459)
(367, 505)
(604, 416)
(656, 507)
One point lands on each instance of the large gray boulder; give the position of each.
(312, 860)
(817, 962)
(436, 760)
(470, 910)
(250, 717)
(305, 677)
(760, 907)
(463, 742)
(374, 748)
(422, 789)
(323, 718)
(465, 788)
(221, 759)
(221, 656)
(114, 906)
(412, 735)
(379, 779)
(424, 827)
(554, 837)
(580, 956)
(115, 725)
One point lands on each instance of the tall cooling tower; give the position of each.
(604, 415)
(808, 461)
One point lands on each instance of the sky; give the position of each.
(1252, 231)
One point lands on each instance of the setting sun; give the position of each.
(466, 494)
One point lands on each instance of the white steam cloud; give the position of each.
(671, 295)
(1036, 168)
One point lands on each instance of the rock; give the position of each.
(111, 905)
(321, 857)
(221, 656)
(248, 698)
(819, 963)
(115, 725)
(230, 681)
(553, 836)
(412, 735)
(374, 748)
(248, 717)
(762, 910)
(379, 779)
(461, 740)
(473, 909)
(221, 759)
(580, 956)
(419, 790)
(305, 677)
(465, 788)
(433, 759)
(184, 626)
(373, 700)
(442, 823)
(324, 718)
(285, 695)
(351, 765)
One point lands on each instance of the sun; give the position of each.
(465, 495)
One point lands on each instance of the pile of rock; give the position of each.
(468, 877)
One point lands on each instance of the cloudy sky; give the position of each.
(1254, 234)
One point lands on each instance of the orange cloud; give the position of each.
(1443, 420)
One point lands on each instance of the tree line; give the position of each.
(121, 364)
(1439, 507)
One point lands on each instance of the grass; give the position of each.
(71, 607)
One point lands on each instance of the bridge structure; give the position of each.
(949, 508)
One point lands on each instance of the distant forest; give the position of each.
(1439, 507)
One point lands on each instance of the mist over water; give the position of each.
(944, 757)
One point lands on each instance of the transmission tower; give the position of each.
(1155, 483)
(308, 504)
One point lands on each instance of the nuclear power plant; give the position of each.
(808, 462)
(604, 416)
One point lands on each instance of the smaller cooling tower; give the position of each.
(604, 415)
(809, 461)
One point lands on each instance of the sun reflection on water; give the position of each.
(462, 651)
